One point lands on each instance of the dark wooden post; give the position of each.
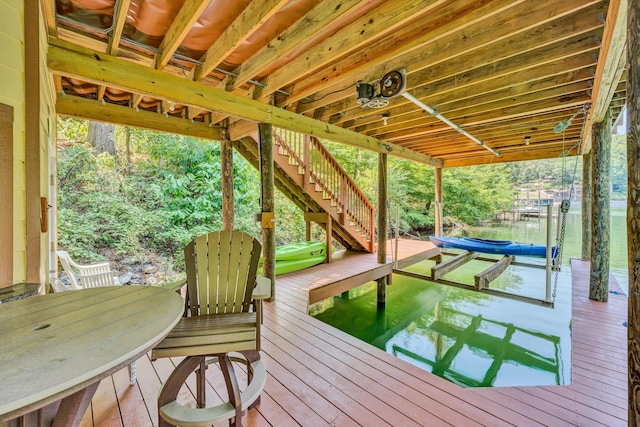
(600, 182)
(633, 206)
(382, 208)
(267, 199)
(382, 223)
(438, 191)
(586, 205)
(226, 160)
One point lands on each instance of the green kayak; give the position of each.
(302, 250)
(289, 266)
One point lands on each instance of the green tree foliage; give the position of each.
(619, 166)
(474, 194)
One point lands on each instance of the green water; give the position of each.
(474, 339)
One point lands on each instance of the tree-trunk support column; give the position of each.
(382, 223)
(267, 198)
(226, 159)
(438, 193)
(600, 182)
(633, 206)
(587, 161)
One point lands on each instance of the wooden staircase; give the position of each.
(308, 174)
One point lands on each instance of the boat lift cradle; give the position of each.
(483, 279)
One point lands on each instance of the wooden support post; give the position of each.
(482, 279)
(325, 219)
(307, 229)
(442, 268)
(600, 181)
(267, 200)
(438, 194)
(226, 159)
(633, 206)
(382, 290)
(586, 205)
(382, 208)
(382, 224)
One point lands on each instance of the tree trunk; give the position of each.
(586, 206)
(267, 198)
(101, 136)
(226, 158)
(633, 206)
(438, 194)
(600, 233)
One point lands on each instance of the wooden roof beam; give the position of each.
(483, 159)
(114, 38)
(180, 27)
(514, 95)
(69, 60)
(87, 109)
(611, 64)
(507, 59)
(49, 15)
(485, 27)
(502, 111)
(252, 18)
(295, 39)
(384, 20)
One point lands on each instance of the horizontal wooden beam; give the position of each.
(84, 64)
(491, 273)
(516, 156)
(439, 270)
(87, 109)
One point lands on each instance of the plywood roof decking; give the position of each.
(318, 375)
(501, 69)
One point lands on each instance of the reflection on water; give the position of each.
(474, 339)
(469, 338)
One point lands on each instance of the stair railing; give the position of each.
(322, 170)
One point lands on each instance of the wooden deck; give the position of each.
(320, 376)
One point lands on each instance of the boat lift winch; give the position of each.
(482, 280)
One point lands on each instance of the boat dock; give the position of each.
(320, 376)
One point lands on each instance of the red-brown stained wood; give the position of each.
(319, 375)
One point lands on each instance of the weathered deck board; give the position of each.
(318, 375)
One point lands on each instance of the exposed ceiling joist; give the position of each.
(522, 155)
(293, 41)
(72, 61)
(610, 67)
(256, 14)
(87, 109)
(180, 27)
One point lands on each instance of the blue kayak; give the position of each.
(487, 246)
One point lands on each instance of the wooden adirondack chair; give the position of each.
(222, 321)
(91, 276)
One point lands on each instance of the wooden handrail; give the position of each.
(321, 169)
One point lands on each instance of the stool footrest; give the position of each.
(177, 414)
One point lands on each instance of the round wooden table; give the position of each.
(59, 346)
